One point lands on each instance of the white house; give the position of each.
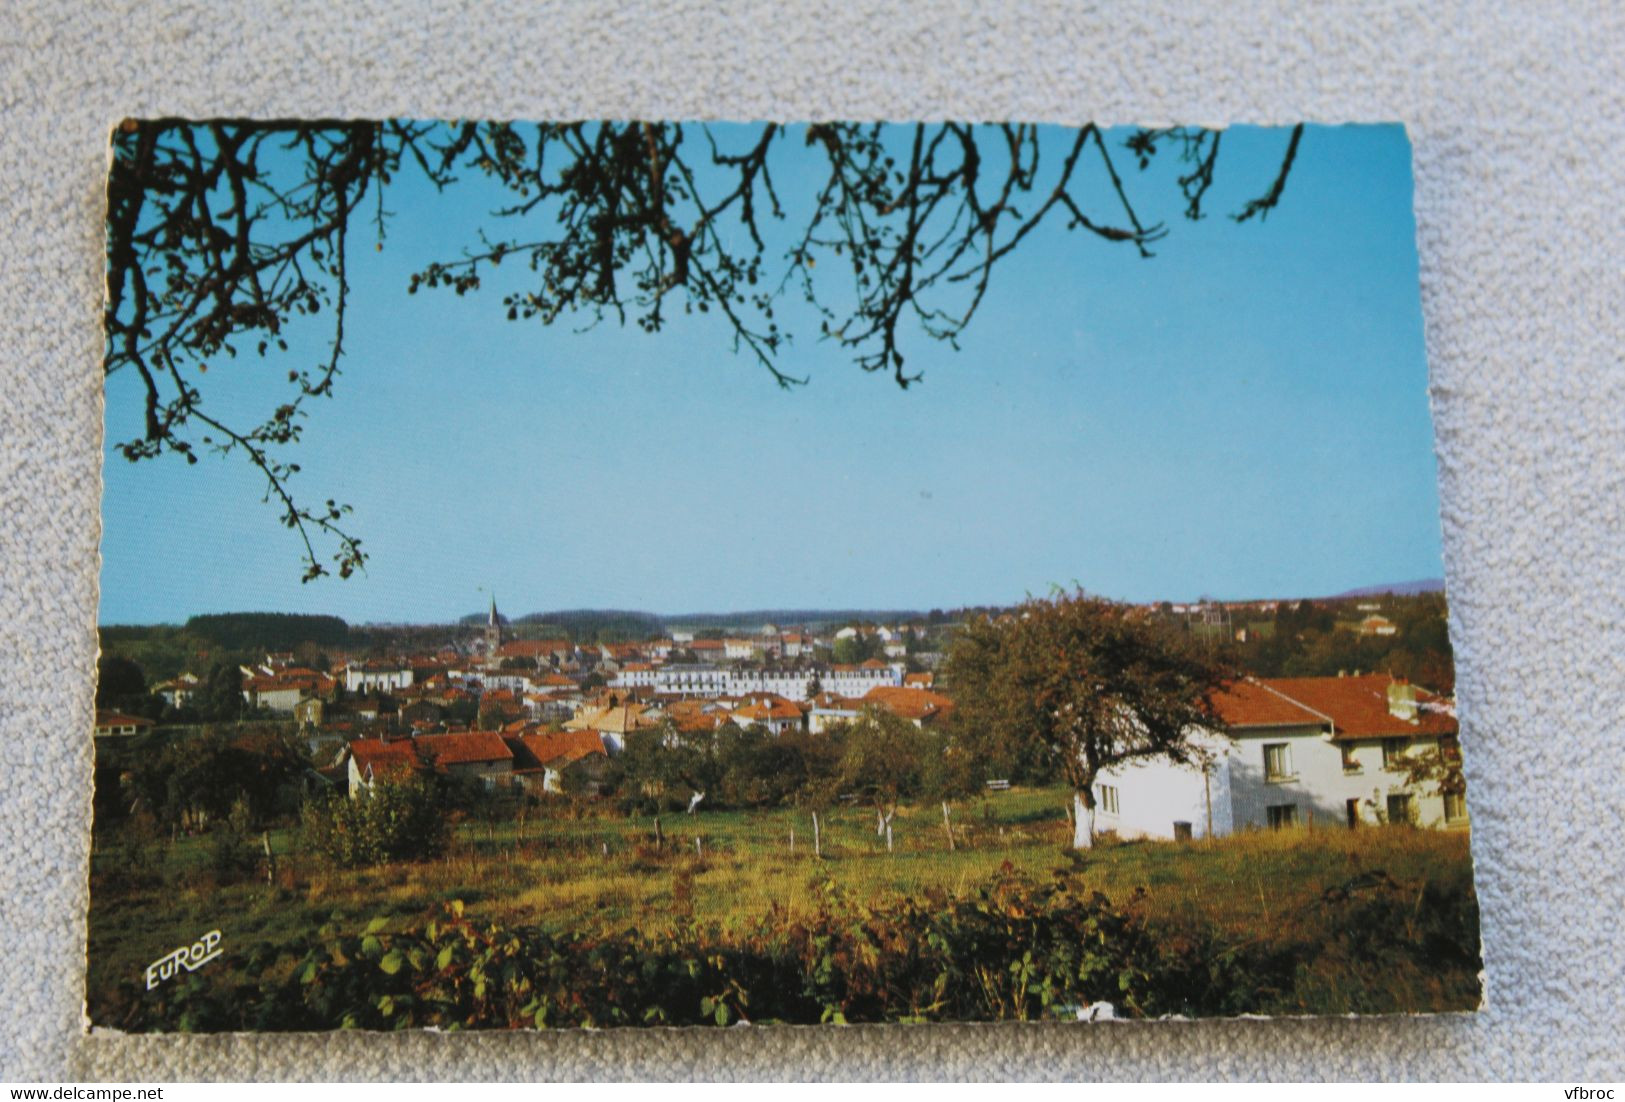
(377, 676)
(482, 755)
(179, 690)
(775, 713)
(282, 690)
(117, 723)
(1323, 749)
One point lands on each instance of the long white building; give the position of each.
(793, 684)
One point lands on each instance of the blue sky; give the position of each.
(1243, 415)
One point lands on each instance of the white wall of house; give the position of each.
(634, 679)
(357, 782)
(1145, 799)
(1372, 783)
(277, 700)
(822, 719)
(1241, 787)
(858, 682)
(700, 680)
(517, 681)
(1309, 779)
(358, 679)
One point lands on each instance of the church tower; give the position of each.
(493, 632)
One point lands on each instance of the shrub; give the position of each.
(393, 822)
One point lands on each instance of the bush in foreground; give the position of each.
(393, 822)
(1017, 949)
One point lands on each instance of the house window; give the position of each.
(1399, 807)
(1455, 807)
(1392, 750)
(1277, 761)
(1351, 764)
(1281, 816)
(1108, 798)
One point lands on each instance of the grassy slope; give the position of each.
(554, 872)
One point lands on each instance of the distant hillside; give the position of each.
(269, 630)
(755, 618)
(586, 625)
(1399, 589)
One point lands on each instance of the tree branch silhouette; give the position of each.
(223, 233)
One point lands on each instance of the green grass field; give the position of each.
(601, 872)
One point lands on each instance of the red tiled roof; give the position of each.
(534, 648)
(690, 722)
(381, 664)
(1250, 703)
(463, 748)
(920, 704)
(308, 681)
(1355, 707)
(119, 719)
(1358, 706)
(383, 758)
(763, 708)
(555, 747)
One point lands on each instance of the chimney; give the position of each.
(1402, 699)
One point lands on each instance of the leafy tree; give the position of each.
(491, 715)
(193, 783)
(397, 821)
(661, 767)
(1085, 684)
(220, 697)
(117, 681)
(885, 760)
(223, 234)
(858, 648)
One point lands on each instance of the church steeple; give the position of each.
(493, 631)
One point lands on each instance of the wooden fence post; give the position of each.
(818, 849)
(270, 858)
(948, 826)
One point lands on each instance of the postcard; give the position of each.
(620, 574)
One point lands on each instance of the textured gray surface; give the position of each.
(1517, 122)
